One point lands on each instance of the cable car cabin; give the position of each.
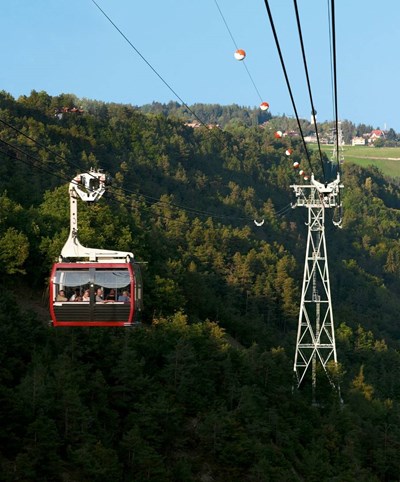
(75, 290)
(105, 290)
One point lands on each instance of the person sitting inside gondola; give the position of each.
(99, 294)
(86, 296)
(124, 297)
(111, 295)
(61, 296)
(76, 296)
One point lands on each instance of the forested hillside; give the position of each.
(202, 390)
(210, 113)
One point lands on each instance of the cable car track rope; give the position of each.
(275, 35)
(333, 75)
(335, 81)
(313, 111)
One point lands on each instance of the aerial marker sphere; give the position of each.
(240, 54)
(301, 172)
(288, 152)
(296, 165)
(278, 134)
(264, 106)
(306, 178)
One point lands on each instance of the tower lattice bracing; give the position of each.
(316, 335)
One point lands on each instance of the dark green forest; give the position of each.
(202, 390)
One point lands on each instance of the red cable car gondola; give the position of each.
(81, 278)
(93, 287)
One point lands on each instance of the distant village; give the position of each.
(367, 139)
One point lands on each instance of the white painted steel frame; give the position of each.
(315, 334)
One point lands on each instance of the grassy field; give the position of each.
(387, 159)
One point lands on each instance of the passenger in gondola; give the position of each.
(99, 294)
(111, 295)
(86, 296)
(61, 296)
(124, 297)
(76, 296)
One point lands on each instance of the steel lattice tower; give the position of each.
(315, 335)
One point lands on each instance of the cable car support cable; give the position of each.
(287, 81)
(337, 223)
(313, 111)
(335, 80)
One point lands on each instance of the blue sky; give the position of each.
(68, 46)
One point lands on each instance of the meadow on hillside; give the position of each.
(387, 159)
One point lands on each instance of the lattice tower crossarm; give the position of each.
(315, 335)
